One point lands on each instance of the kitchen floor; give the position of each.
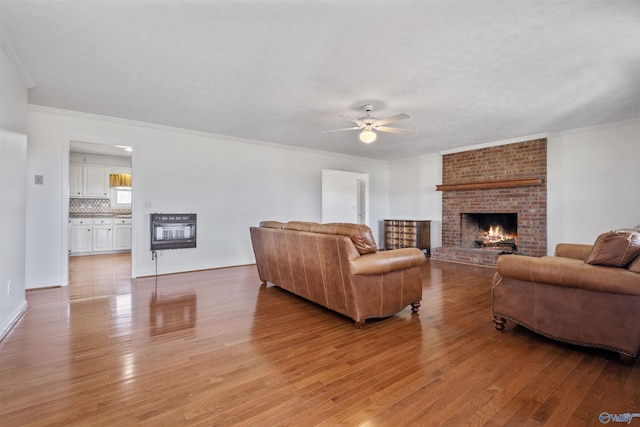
(99, 276)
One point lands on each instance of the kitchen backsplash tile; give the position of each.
(100, 206)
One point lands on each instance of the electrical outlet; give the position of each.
(9, 287)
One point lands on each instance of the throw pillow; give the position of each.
(615, 249)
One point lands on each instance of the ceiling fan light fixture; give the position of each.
(368, 136)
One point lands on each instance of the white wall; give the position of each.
(593, 182)
(413, 195)
(230, 183)
(13, 163)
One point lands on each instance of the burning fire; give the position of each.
(497, 234)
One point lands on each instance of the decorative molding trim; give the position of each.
(496, 143)
(523, 182)
(13, 319)
(7, 46)
(153, 126)
(629, 122)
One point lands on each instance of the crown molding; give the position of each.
(496, 143)
(228, 138)
(547, 135)
(634, 121)
(7, 46)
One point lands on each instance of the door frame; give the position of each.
(360, 184)
(66, 145)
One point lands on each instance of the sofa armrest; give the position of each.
(387, 261)
(573, 250)
(568, 272)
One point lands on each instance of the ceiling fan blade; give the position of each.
(393, 130)
(395, 118)
(338, 130)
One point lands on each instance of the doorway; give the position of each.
(98, 205)
(345, 197)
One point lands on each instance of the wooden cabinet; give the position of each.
(407, 234)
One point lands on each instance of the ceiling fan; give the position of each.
(370, 124)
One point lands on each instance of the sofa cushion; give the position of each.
(635, 265)
(360, 235)
(299, 225)
(615, 249)
(271, 224)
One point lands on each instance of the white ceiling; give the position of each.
(282, 71)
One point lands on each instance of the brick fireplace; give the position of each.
(506, 181)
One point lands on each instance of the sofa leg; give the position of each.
(359, 324)
(415, 306)
(499, 322)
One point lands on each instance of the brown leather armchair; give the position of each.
(567, 298)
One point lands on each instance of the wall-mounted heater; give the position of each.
(173, 231)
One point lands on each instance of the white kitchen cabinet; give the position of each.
(75, 180)
(94, 236)
(102, 234)
(88, 181)
(121, 234)
(95, 181)
(80, 235)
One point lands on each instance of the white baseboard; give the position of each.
(13, 319)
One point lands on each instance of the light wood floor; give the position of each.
(216, 348)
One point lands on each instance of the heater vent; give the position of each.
(173, 231)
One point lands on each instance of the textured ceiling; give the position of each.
(467, 72)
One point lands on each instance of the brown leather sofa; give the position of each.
(338, 266)
(584, 295)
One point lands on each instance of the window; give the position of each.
(121, 197)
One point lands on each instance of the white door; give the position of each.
(345, 197)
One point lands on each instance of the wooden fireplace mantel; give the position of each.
(522, 182)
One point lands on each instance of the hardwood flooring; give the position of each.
(216, 348)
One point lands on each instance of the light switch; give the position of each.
(39, 179)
